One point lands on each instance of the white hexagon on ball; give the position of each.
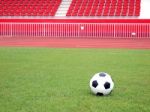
(101, 84)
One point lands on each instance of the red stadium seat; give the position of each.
(104, 8)
(28, 7)
(77, 7)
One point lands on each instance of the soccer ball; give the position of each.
(101, 84)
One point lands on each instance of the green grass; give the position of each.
(57, 80)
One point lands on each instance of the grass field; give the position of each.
(57, 80)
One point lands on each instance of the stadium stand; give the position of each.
(70, 7)
(29, 7)
(104, 8)
(101, 18)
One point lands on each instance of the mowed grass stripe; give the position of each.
(57, 80)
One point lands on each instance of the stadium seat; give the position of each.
(104, 8)
(76, 8)
(29, 7)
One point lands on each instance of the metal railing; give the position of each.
(75, 30)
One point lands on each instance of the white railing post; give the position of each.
(114, 30)
(44, 29)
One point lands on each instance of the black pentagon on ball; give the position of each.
(102, 74)
(94, 84)
(107, 85)
(99, 94)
